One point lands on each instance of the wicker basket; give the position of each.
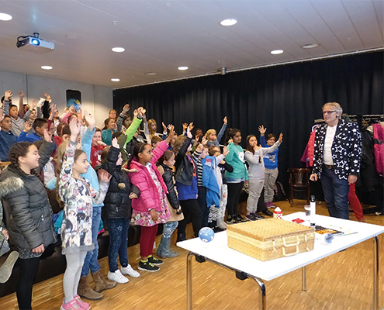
(270, 239)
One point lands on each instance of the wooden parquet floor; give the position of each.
(342, 281)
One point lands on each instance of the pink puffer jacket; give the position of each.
(149, 197)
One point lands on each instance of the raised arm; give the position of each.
(222, 130)
(69, 157)
(274, 147)
(21, 104)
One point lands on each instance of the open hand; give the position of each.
(104, 176)
(47, 135)
(7, 95)
(225, 151)
(74, 126)
(90, 120)
(185, 125)
(114, 143)
(262, 130)
(189, 134)
(27, 126)
(225, 120)
(281, 138)
(170, 135)
(125, 108)
(191, 126)
(204, 140)
(33, 105)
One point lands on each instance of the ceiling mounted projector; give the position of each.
(34, 44)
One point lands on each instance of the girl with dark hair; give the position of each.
(78, 197)
(27, 211)
(167, 163)
(186, 183)
(150, 208)
(236, 178)
(256, 172)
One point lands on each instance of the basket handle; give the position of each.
(290, 254)
(291, 245)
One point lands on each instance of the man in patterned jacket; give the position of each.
(336, 159)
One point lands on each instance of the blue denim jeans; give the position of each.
(335, 194)
(118, 242)
(90, 261)
(169, 228)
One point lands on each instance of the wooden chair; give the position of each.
(299, 181)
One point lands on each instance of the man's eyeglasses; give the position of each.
(328, 112)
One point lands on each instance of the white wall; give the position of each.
(97, 100)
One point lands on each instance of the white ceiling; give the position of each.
(160, 35)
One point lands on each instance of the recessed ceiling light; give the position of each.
(182, 68)
(118, 49)
(46, 67)
(228, 22)
(151, 73)
(5, 16)
(72, 36)
(311, 45)
(276, 52)
(115, 80)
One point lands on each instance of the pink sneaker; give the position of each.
(72, 305)
(81, 303)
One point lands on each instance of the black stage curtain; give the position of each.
(284, 98)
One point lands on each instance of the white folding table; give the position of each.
(218, 252)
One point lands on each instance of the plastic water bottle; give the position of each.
(278, 214)
(313, 210)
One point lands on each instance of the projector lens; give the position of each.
(35, 42)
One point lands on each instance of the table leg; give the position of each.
(189, 280)
(304, 278)
(375, 273)
(263, 293)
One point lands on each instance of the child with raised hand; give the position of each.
(237, 177)
(117, 212)
(78, 197)
(217, 212)
(271, 166)
(167, 163)
(211, 137)
(186, 183)
(198, 156)
(256, 172)
(150, 208)
(107, 133)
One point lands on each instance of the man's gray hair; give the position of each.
(336, 106)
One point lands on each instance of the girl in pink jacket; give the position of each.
(150, 208)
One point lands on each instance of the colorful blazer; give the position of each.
(346, 149)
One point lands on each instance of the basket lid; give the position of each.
(268, 229)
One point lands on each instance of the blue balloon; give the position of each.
(206, 234)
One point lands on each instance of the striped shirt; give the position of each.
(199, 167)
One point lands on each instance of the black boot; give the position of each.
(181, 237)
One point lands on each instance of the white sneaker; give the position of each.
(129, 271)
(117, 277)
